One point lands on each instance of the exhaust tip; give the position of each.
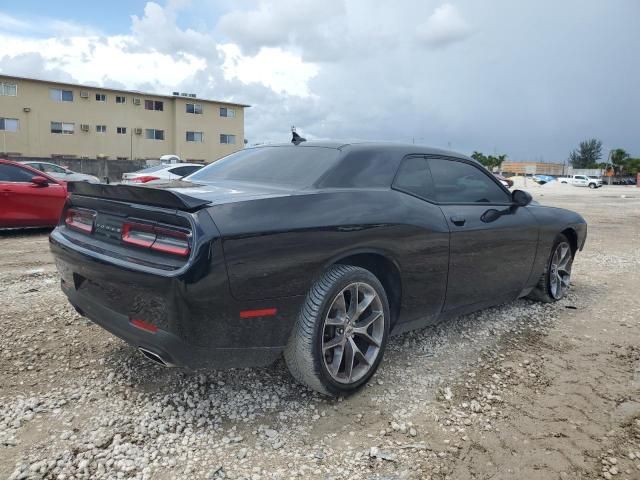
(154, 357)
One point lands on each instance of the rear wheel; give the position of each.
(556, 279)
(341, 333)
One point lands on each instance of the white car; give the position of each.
(62, 173)
(161, 173)
(582, 181)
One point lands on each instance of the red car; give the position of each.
(29, 197)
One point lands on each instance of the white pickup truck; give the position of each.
(582, 181)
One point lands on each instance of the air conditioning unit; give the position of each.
(138, 131)
(84, 94)
(136, 101)
(84, 127)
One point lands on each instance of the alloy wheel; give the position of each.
(560, 270)
(353, 332)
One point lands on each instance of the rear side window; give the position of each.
(459, 182)
(11, 173)
(414, 177)
(361, 169)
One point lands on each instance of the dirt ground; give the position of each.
(524, 390)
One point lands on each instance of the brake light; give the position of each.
(138, 234)
(143, 179)
(80, 220)
(160, 239)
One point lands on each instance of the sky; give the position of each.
(526, 78)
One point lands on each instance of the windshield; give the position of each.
(153, 169)
(291, 166)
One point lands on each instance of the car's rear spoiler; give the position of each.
(156, 197)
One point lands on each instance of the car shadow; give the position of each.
(24, 232)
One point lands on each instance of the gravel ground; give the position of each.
(525, 389)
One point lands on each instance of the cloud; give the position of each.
(316, 29)
(281, 71)
(444, 27)
(7, 22)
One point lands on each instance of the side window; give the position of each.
(49, 168)
(11, 173)
(414, 177)
(459, 182)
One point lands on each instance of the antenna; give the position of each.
(295, 138)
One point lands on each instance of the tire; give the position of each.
(592, 185)
(544, 290)
(329, 326)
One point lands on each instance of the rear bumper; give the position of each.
(198, 321)
(169, 347)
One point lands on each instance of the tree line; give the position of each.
(587, 155)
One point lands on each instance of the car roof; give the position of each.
(400, 148)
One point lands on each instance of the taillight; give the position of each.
(80, 220)
(143, 179)
(160, 239)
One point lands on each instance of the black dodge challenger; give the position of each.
(319, 251)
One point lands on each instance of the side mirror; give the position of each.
(40, 181)
(521, 198)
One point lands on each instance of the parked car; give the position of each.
(543, 179)
(28, 197)
(61, 173)
(318, 251)
(507, 182)
(582, 181)
(161, 173)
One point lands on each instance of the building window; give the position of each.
(121, 130)
(197, 137)
(8, 89)
(224, 138)
(194, 108)
(63, 128)
(9, 124)
(227, 112)
(121, 99)
(153, 105)
(101, 128)
(58, 95)
(153, 134)
(101, 97)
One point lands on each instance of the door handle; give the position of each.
(458, 220)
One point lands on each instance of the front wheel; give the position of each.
(556, 278)
(592, 185)
(341, 333)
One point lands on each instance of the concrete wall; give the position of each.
(101, 168)
(35, 110)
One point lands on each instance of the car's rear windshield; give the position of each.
(287, 166)
(155, 168)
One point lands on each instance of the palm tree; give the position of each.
(619, 159)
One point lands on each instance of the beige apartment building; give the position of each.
(39, 118)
